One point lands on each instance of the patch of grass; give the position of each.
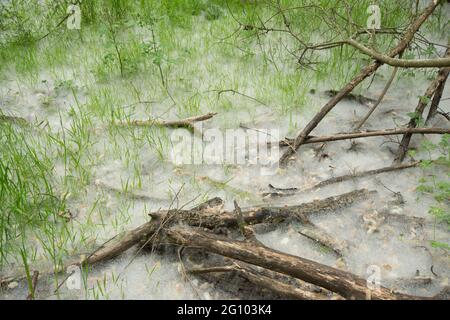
(437, 186)
(29, 201)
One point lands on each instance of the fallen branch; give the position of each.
(265, 279)
(344, 283)
(403, 218)
(366, 72)
(209, 215)
(311, 231)
(346, 177)
(187, 123)
(363, 174)
(120, 245)
(214, 219)
(126, 194)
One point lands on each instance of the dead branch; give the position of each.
(187, 123)
(363, 174)
(311, 231)
(366, 72)
(126, 194)
(120, 245)
(214, 219)
(167, 226)
(402, 218)
(207, 215)
(344, 283)
(265, 279)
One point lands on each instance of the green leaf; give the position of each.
(424, 99)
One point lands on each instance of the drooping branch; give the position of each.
(402, 63)
(183, 123)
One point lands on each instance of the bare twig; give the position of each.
(380, 99)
